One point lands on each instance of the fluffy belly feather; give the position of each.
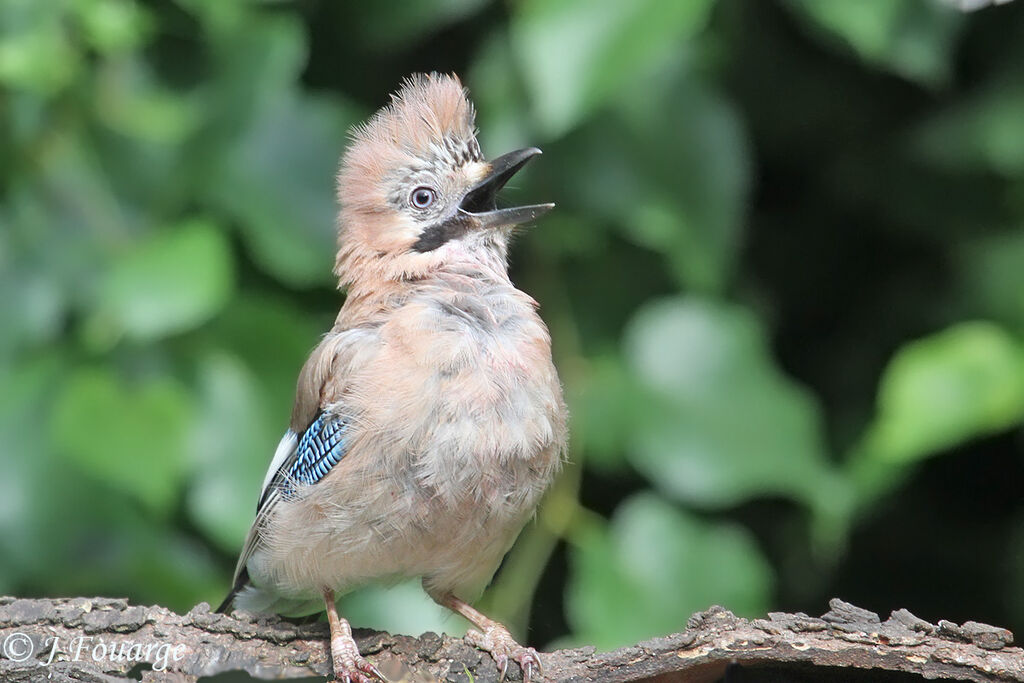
(444, 505)
(455, 542)
(453, 442)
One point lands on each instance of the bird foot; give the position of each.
(497, 641)
(349, 665)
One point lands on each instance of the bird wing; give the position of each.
(315, 441)
(297, 462)
(307, 460)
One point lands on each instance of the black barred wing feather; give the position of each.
(321, 447)
(298, 462)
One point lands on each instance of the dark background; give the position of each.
(785, 282)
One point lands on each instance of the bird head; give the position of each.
(416, 192)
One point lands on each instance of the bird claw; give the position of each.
(357, 670)
(350, 666)
(502, 662)
(529, 662)
(375, 672)
(502, 647)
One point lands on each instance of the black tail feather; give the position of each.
(241, 582)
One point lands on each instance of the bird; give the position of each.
(429, 421)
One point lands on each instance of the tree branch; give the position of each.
(104, 639)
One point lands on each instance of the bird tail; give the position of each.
(246, 596)
(240, 583)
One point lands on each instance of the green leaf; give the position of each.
(68, 213)
(937, 392)
(173, 282)
(403, 608)
(114, 549)
(272, 149)
(246, 389)
(979, 133)
(992, 278)
(912, 38)
(723, 425)
(113, 26)
(501, 102)
(652, 567)
(224, 16)
(278, 183)
(606, 403)
(26, 457)
(234, 441)
(256, 59)
(131, 100)
(52, 517)
(273, 338)
(576, 54)
(385, 26)
(32, 305)
(694, 183)
(37, 53)
(131, 437)
(683, 195)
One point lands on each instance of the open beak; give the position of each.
(479, 210)
(480, 205)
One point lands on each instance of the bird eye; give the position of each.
(422, 197)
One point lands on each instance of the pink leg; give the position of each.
(349, 665)
(494, 639)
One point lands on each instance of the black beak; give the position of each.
(480, 205)
(479, 210)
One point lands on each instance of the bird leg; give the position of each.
(494, 638)
(349, 665)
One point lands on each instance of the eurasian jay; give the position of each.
(429, 420)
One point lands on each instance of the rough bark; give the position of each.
(102, 639)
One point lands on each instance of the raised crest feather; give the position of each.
(429, 122)
(427, 110)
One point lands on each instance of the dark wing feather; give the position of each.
(296, 464)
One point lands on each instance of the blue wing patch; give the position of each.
(321, 447)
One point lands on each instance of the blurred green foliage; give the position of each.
(785, 283)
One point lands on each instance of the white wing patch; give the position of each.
(285, 448)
